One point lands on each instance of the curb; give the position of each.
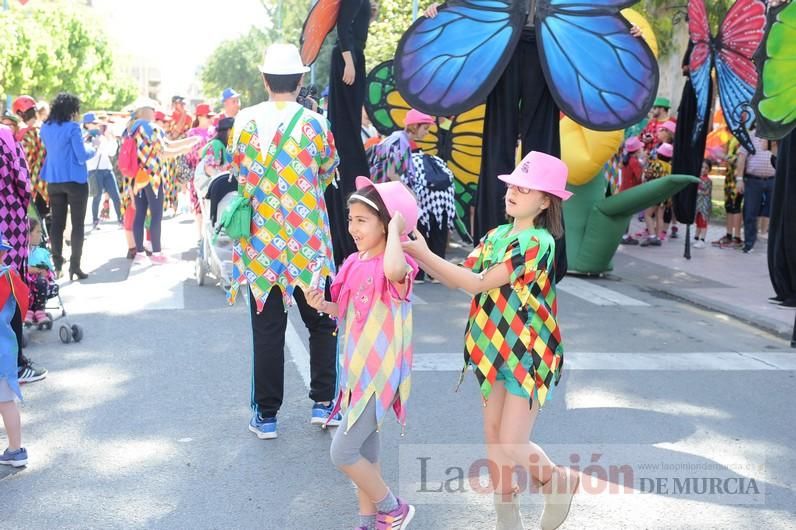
(774, 327)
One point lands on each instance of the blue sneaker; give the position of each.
(322, 415)
(264, 428)
(16, 458)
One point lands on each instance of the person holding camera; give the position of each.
(284, 158)
(100, 167)
(658, 116)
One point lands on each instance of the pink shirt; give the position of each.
(375, 338)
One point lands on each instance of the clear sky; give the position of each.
(176, 35)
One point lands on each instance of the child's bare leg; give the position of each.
(366, 506)
(10, 413)
(515, 433)
(501, 466)
(367, 477)
(661, 225)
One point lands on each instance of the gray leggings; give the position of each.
(361, 440)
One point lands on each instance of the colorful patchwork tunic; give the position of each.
(514, 325)
(31, 143)
(375, 340)
(150, 142)
(290, 225)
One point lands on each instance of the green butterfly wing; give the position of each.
(775, 98)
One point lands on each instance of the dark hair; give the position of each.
(283, 84)
(373, 195)
(63, 108)
(28, 114)
(32, 224)
(709, 163)
(223, 128)
(551, 217)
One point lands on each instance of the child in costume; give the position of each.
(512, 339)
(392, 157)
(371, 298)
(657, 167)
(13, 298)
(704, 204)
(40, 275)
(632, 170)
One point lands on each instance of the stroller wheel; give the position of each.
(65, 334)
(77, 333)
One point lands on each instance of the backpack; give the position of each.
(437, 179)
(128, 157)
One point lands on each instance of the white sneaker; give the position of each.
(699, 244)
(140, 258)
(508, 513)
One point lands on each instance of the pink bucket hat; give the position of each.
(669, 125)
(541, 172)
(666, 150)
(397, 198)
(415, 117)
(633, 144)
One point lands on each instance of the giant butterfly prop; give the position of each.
(775, 100)
(731, 52)
(599, 74)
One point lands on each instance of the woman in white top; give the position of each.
(100, 168)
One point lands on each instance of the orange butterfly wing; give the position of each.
(320, 21)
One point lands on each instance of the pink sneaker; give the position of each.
(40, 316)
(398, 519)
(158, 258)
(29, 317)
(662, 237)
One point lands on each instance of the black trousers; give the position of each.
(268, 332)
(520, 107)
(345, 116)
(73, 196)
(436, 235)
(782, 227)
(147, 200)
(16, 325)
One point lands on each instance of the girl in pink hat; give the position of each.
(370, 297)
(512, 341)
(632, 170)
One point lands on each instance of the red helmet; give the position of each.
(22, 104)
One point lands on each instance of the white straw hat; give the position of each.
(283, 59)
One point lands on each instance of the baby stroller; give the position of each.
(55, 310)
(215, 249)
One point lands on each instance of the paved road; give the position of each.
(143, 424)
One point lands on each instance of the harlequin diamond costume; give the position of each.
(284, 158)
(512, 334)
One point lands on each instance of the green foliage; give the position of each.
(395, 17)
(51, 49)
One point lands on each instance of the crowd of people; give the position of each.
(344, 234)
(748, 182)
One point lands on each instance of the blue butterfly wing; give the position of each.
(599, 74)
(448, 64)
(700, 80)
(735, 95)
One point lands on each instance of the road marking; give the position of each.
(589, 361)
(595, 294)
(298, 353)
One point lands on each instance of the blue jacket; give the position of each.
(66, 154)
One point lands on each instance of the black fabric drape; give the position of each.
(688, 154)
(520, 107)
(782, 227)
(345, 116)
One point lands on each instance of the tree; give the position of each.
(53, 48)
(395, 17)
